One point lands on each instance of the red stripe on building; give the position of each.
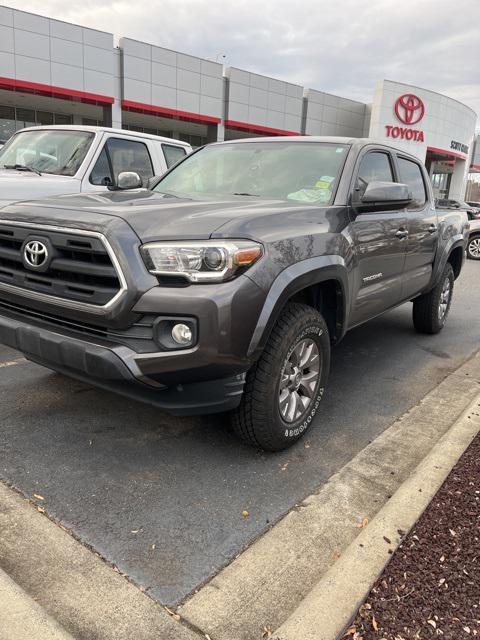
(55, 92)
(165, 112)
(445, 152)
(258, 128)
(476, 167)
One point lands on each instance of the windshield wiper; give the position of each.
(22, 167)
(253, 195)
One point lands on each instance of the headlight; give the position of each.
(201, 260)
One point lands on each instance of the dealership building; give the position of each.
(53, 72)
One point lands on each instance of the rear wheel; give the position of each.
(473, 248)
(430, 311)
(284, 388)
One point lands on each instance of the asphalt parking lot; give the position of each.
(161, 497)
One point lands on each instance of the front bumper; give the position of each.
(116, 347)
(114, 368)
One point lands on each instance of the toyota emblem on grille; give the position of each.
(35, 254)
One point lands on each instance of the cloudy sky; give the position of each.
(341, 46)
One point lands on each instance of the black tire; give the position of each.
(299, 334)
(473, 248)
(428, 316)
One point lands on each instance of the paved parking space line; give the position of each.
(11, 363)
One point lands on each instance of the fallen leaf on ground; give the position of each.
(40, 509)
(363, 524)
(432, 623)
(350, 632)
(245, 514)
(374, 623)
(387, 540)
(267, 631)
(174, 615)
(38, 497)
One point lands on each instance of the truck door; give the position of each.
(422, 228)
(379, 241)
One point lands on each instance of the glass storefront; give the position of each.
(195, 141)
(14, 118)
(441, 184)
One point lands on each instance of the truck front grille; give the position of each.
(79, 267)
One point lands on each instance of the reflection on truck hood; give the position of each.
(25, 185)
(152, 216)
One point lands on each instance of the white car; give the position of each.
(45, 161)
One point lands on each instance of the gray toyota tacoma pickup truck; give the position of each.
(224, 286)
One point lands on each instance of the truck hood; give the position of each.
(24, 185)
(153, 216)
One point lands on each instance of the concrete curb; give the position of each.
(331, 605)
(266, 584)
(75, 586)
(23, 618)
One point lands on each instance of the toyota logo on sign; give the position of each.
(35, 254)
(409, 109)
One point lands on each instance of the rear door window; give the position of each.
(173, 154)
(411, 175)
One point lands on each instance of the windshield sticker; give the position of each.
(310, 195)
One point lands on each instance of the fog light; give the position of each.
(182, 334)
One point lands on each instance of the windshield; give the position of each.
(296, 171)
(48, 151)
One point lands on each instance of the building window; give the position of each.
(7, 123)
(194, 140)
(12, 119)
(90, 122)
(150, 130)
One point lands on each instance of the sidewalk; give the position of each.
(431, 587)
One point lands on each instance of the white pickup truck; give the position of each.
(44, 161)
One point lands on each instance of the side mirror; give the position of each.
(129, 180)
(387, 194)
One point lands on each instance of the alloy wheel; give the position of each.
(474, 248)
(444, 299)
(298, 381)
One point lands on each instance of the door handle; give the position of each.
(432, 228)
(402, 233)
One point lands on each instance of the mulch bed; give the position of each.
(431, 587)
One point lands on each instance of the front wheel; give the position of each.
(284, 388)
(430, 311)
(473, 248)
